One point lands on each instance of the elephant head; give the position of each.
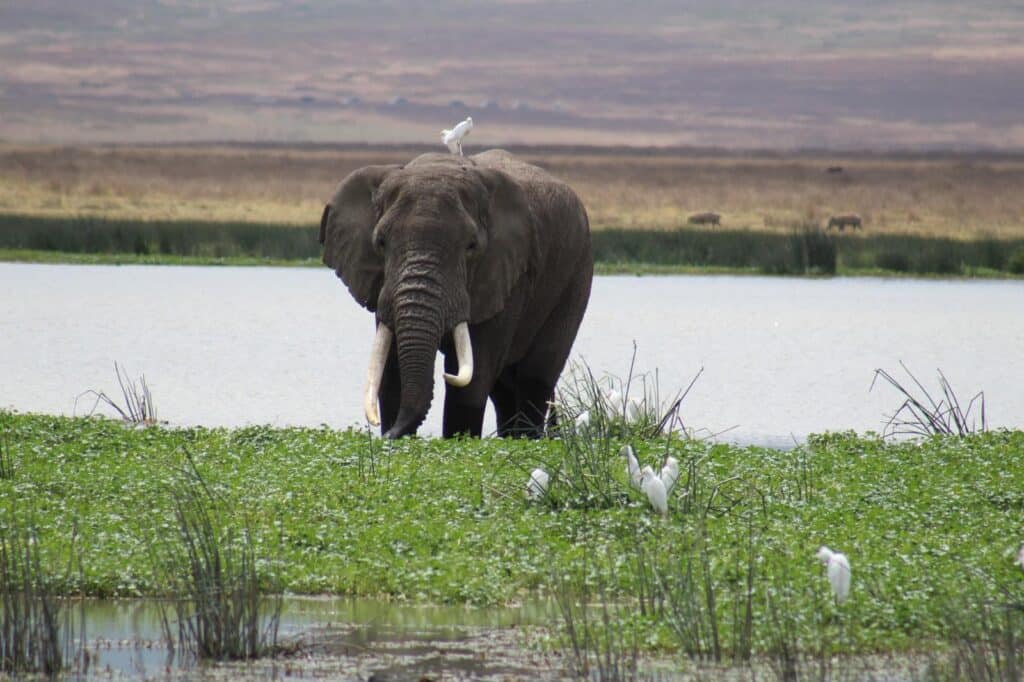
(431, 247)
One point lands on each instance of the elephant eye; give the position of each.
(472, 246)
(378, 241)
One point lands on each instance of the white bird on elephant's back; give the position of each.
(453, 138)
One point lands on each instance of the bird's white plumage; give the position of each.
(670, 473)
(1020, 557)
(538, 485)
(453, 138)
(655, 490)
(632, 465)
(634, 409)
(583, 419)
(838, 570)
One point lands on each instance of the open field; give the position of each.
(931, 528)
(956, 196)
(905, 74)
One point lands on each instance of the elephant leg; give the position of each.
(463, 409)
(533, 398)
(390, 393)
(539, 370)
(503, 396)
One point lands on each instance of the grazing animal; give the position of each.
(838, 572)
(453, 138)
(485, 258)
(653, 487)
(834, 169)
(538, 485)
(705, 219)
(841, 222)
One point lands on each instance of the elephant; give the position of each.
(841, 222)
(484, 258)
(705, 219)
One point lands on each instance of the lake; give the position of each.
(782, 357)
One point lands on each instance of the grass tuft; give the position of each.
(37, 632)
(214, 583)
(920, 414)
(138, 408)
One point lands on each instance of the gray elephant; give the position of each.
(485, 258)
(708, 218)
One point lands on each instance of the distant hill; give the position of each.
(865, 74)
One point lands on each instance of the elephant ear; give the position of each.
(346, 233)
(512, 248)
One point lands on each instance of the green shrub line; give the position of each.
(926, 524)
(805, 249)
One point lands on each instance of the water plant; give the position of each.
(213, 580)
(37, 632)
(138, 407)
(920, 414)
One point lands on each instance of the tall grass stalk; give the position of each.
(215, 596)
(37, 627)
(921, 414)
(603, 647)
(138, 407)
(6, 460)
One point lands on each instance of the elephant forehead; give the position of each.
(433, 186)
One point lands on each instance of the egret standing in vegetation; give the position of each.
(838, 572)
(670, 473)
(632, 465)
(655, 491)
(453, 138)
(538, 485)
(1020, 557)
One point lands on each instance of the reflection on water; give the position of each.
(333, 636)
(782, 357)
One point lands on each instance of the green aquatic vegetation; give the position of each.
(448, 521)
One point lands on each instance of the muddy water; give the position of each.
(339, 639)
(231, 346)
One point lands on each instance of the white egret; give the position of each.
(655, 491)
(634, 410)
(632, 465)
(614, 400)
(1020, 557)
(538, 485)
(838, 572)
(583, 419)
(453, 138)
(670, 473)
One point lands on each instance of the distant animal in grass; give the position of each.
(838, 569)
(538, 484)
(835, 170)
(841, 222)
(633, 472)
(669, 474)
(654, 488)
(705, 219)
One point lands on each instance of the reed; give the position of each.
(803, 248)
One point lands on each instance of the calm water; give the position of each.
(782, 357)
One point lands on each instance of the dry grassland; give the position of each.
(955, 196)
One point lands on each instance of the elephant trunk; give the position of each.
(420, 321)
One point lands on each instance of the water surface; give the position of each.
(782, 357)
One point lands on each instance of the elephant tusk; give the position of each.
(378, 358)
(464, 352)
